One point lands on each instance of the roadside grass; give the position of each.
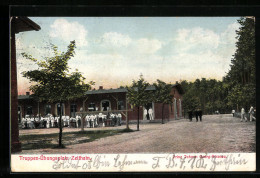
(41, 141)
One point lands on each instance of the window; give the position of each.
(73, 110)
(47, 109)
(120, 105)
(105, 105)
(29, 110)
(60, 109)
(92, 107)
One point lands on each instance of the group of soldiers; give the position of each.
(197, 113)
(49, 121)
(251, 113)
(91, 121)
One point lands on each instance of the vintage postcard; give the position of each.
(133, 94)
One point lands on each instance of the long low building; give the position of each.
(103, 100)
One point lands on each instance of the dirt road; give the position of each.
(216, 133)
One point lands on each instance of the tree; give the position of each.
(53, 82)
(241, 77)
(137, 95)
(191, 97)
(163, 94)
(208, 94)
(238, 88)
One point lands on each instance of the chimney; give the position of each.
(100, 87)
(27, 93)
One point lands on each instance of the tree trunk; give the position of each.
(162, 112)
(83, 116)
(138, 119)
(60, 126)
(39, 110)
(82, 122)
(127, 123)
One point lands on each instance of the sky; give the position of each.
(113, 51)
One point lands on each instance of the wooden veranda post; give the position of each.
(82, 115)
(17, 24)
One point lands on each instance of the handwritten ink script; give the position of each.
(192, 162)
(98, 162)
(170, 161)
(135, 162)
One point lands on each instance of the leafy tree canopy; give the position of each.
(53, 82)
(137, 94)
(163, 92)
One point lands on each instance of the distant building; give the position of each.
(102, 100)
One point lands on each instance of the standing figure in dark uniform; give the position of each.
(196, 112)
(190, 115)
(200, 114)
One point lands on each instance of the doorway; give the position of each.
(105, 105)
(73, 110)
(146, 115)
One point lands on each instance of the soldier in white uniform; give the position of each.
(37, 118)
(58, 121)
(119, 119)
(67, 121)
(92, 121)
(251, 112)
(52, 122)
(29, 123)
(23, 123)
(33, 123)
(28, 120)
(100, 118)
(150, 112)
(48, 123)
(87, 120)
(77, 122)
(104, 117)
(64, 121)
(145, 114)
(243, 115)
(112, 117)
(96, 118)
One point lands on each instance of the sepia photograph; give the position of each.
(133, 93)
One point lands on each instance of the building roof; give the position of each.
(124, 90)
(106, 91)
(22, 97)
(102, 91)
(22, 24)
